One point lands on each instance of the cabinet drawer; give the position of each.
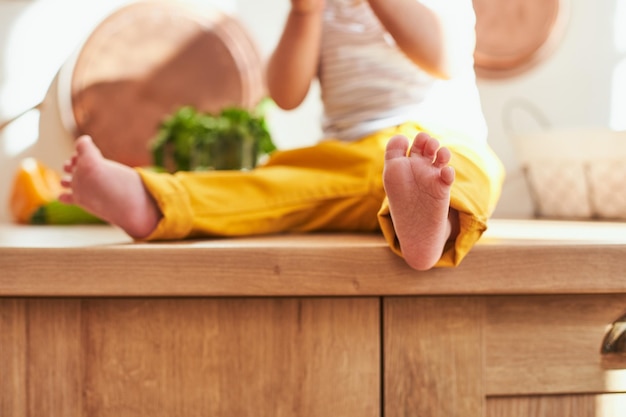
(551, 345)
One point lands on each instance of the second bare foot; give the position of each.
(417, 183)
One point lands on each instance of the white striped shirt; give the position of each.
(368, 84)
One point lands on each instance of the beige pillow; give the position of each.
(575, 174)
(559, 189)
(607, 188)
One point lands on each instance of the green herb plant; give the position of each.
(234, 139)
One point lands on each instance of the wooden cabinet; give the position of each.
(321, 325)
(433, 356)
(189, 357)
(502, 356)
(367, 356)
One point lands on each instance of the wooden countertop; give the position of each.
(513, 257)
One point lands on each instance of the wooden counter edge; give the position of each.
(367, 268)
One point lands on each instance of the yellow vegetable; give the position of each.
(33, 186)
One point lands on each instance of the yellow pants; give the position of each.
(332, 186)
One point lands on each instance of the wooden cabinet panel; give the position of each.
(12, 357)
(433, 359)
(233, 357)
(551, 344)
(40, 358)
(177, 357)
(54, 358)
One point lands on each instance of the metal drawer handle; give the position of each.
(615, 338)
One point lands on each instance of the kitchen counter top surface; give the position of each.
(512, 257)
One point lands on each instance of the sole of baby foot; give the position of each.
(418, 182)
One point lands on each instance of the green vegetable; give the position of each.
(191, 140)
(55, 212)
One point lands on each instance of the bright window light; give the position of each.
(610, 405)
(21, 134)
(619, 27)
(39, 41)
(618, 91)
(618, 97)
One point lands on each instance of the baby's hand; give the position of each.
(307, 6)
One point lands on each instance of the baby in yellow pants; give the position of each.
(431, 202)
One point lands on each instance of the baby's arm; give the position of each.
(294, 63)
(430, 38)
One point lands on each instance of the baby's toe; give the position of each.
(443, 157)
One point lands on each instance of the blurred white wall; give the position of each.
(578, 86)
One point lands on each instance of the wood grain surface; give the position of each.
(551, 345)
(433, 357)
(93, 324)
(513, 257)
(173, 357)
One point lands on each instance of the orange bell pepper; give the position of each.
(33, 186)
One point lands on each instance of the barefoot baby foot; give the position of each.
(418, 188)
(109, 190)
